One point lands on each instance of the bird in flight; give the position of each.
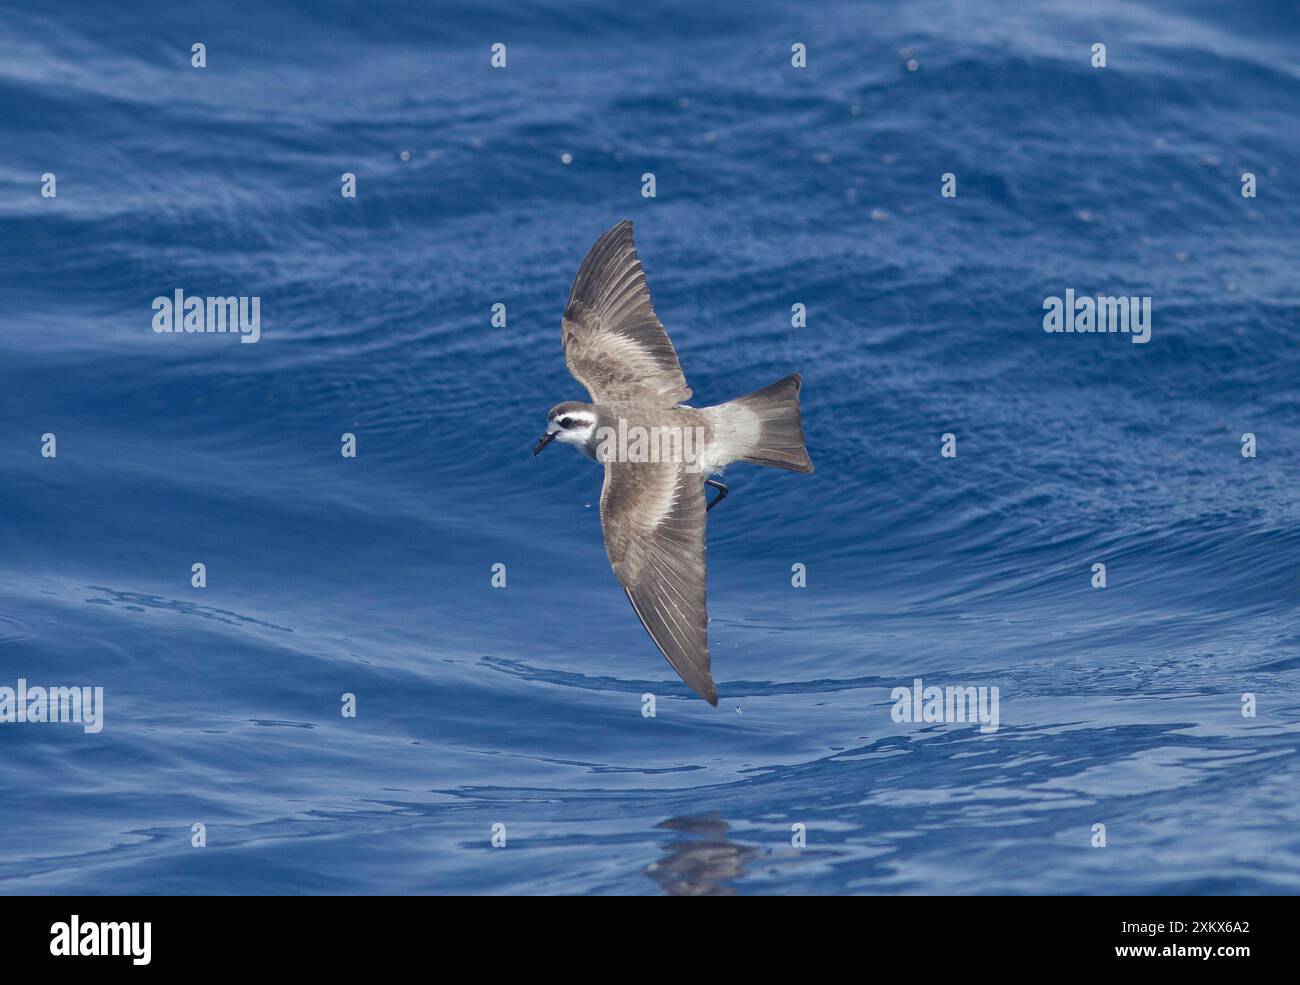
(658, 453)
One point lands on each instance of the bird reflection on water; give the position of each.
(703, 861)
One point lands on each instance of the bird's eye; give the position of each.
(566, 422)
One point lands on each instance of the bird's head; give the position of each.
(572, 422)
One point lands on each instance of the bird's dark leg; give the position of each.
(722, 493)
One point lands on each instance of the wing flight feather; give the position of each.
(652, 515)
(614, 344)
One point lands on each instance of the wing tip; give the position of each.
(705, 688)
(616, 231)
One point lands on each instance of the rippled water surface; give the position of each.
(522, 706)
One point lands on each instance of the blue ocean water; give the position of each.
(522, 706)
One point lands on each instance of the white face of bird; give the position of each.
(572, 425)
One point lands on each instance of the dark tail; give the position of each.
(779, 440)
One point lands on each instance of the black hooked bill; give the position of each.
(547, 438)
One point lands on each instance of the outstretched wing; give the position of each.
(614, 344)
(653, 517)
